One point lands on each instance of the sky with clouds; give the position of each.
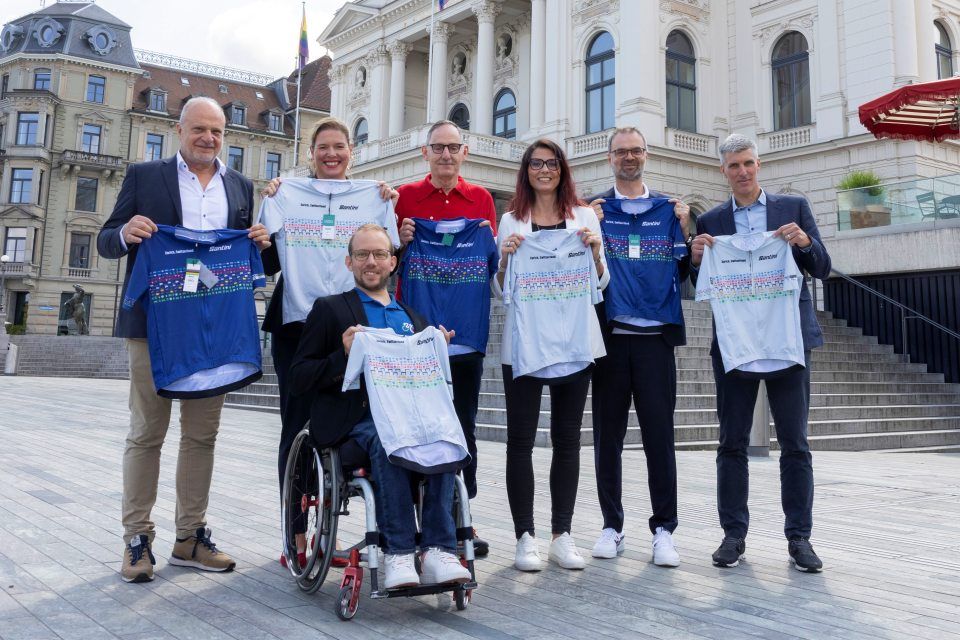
(254, 35)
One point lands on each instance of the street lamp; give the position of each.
(4, 259)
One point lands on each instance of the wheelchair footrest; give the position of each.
(422, 590)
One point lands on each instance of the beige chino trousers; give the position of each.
(149, 419)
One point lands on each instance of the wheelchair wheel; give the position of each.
(462, 598)
(311, 501)
(347, 604)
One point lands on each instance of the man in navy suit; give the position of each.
(753, 210)
(195, 190)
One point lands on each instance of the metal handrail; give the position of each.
(904, 310)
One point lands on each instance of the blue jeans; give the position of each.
(392, 487)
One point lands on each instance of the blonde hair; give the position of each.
(332, 124)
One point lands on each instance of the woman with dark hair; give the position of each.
(330, 154)
(546, 199)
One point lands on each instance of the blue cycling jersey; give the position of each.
(446, 273)
(643, 242)
(197, 290)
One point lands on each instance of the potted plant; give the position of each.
(861, 193)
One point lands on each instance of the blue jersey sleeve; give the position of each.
(137, 284)
(679, 238)
(256, 267)
(490, 248)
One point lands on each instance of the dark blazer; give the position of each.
(152, 189)
(781, 210)
(674, 335)
(320, 363)
(273, 319)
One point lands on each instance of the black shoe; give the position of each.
(480, 547)
(802, 555)
(729, 553)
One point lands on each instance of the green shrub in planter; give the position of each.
(861, 180)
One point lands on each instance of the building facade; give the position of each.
(78, 104)
(788, 73)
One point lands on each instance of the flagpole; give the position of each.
(296, 119)
(433, 12)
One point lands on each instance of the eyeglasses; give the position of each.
(453, 148)
(537, 163)
(623, 153)
(361, 255)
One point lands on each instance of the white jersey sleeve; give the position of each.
(358, 352)
(704, 286)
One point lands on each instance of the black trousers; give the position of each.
(789, 403)
(467, 373)
(294, 410)
(567, 400)
(641, 368)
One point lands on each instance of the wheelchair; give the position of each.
(317, 489)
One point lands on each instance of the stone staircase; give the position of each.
(71, 356)
(863, 396)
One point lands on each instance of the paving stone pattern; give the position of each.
(887, 526)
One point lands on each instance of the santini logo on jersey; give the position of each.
(575, 254)
(224, 247)
(650, 223)
(769, 257)
(351, 207)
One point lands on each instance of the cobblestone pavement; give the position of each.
(886, 525)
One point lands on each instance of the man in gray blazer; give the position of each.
(750, 210)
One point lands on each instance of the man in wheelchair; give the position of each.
(319, 368)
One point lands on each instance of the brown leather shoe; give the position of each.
(138, 560)
(199, 552)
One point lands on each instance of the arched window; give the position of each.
(944, 50)
(360, 132)
(460, 116)
(681, 83)
(791, 82)
(505, 114)
(601, 76)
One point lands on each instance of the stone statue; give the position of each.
(77, 311)
(459, 64)
(504, 46)
(361, 77)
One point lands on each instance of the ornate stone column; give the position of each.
(926, 39)
(398, 88)
(538, 52)
(905, 62)
(336, 73)
(438, 71)
(829, 107)
(486, 12)
(377, 63)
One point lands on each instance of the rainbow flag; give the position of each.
(442, 3)
(303, 52)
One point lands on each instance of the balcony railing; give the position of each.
(588, 145)
(787, 139)
(412, 139)
(928, 201)
(77, 272)
(690, 142)
(18, 270)
(86, 159)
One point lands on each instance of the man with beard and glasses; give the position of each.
(639, 365)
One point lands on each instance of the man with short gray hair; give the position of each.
(752, 210)
(195, 190)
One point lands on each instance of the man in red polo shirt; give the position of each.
(443, 195)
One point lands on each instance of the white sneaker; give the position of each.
(441, 567)
(664, 552)
(528, 556)
(399, 571)
(610, 544)
(564, 552)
